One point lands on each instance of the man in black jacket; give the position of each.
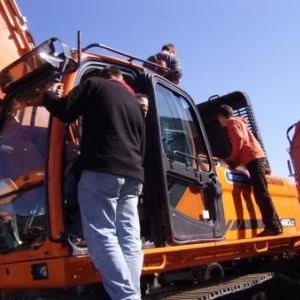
(111, 176)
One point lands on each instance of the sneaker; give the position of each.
(270, 231)
(81, 244)
(77, 240)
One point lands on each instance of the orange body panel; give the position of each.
(240, 207)
(191, 204)
(239, 242)
(61, 272)
(180, 257)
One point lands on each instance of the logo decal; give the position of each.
(287, 222)
(237, 177)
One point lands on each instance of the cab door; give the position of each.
(187, 192)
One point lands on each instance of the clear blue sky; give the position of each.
(224, 45)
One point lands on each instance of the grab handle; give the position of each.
(259, 248)
(159, 267)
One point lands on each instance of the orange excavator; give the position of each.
(199, 221)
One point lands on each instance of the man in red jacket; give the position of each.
(247, 151)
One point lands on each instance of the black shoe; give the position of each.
(270, 231)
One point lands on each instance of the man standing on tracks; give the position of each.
(167, 58)
(247, 151)
(111, 176)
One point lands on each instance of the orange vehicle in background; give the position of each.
(198, 218)
(293, 135)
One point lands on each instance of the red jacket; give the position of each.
(245, 146)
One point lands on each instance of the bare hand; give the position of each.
(31, 178)
(55, 87)
(5, 217)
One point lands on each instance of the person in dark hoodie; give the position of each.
(111, 175)
(247, 151)
(167, 58)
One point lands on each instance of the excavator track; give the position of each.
(260, 286)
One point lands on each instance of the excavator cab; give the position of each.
(181, 203)
(189, 204)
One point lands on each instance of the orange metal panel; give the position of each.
(191, 203)
(179, 257)
(59, 272)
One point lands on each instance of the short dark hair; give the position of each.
(110, 71)
(168, 47)
(225, 111)
(140, 95)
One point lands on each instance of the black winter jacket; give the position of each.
(112, 126)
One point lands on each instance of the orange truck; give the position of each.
(198, 218)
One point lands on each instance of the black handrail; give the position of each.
(131, 57)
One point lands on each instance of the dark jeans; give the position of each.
(257, 171)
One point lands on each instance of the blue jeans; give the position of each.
(111, 228)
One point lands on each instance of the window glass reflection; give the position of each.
(181, 135)
(23, 140)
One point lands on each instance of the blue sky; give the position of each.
(224, 45)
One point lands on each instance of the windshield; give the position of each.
(23, 147)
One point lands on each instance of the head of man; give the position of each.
(225, 112)
(170, 48)
(143, 101)
(111, 72)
